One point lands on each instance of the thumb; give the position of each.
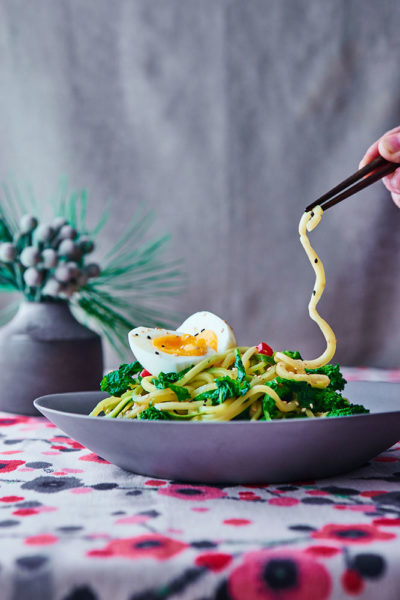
(389, 147)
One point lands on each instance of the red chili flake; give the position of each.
(145, 373)
(263, 348)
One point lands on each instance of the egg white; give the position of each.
(207, 320)
(156, 361)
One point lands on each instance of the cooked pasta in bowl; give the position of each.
(198, 373)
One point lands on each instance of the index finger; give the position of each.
(373, 151)
(370, 154)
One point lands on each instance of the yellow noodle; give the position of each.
(229, 359)
(205, 388)
(247, 355)
(256, 411)
(314, 379)
(178, 405)
(307, 223)
(220, 372)
(268, 376)
(205, 376)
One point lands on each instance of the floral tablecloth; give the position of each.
(74, 527)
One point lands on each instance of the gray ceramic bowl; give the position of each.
(237, 451)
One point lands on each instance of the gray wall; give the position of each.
(226, 117)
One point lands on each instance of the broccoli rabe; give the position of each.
(268, 360)
(226, 388)
(119, 381)
(316, 399)
(295, 355)
(270, 410)
(241, 372)
(153, 414)
(167, 380)
(351, 409)
(319, 400)
(337, 381)
(181, 392)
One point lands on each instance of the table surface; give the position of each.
(74, 527)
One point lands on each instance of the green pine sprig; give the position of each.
(134, 284)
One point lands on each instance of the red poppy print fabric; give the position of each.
(75, 527)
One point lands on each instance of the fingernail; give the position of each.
(362, 163)
(391, 143)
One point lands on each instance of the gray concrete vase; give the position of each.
(45, 350)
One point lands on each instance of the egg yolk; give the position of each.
(186, 344)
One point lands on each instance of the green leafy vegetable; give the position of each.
(351, 409)
(119, 381)
(165, 380)
(337, 381)
(316, 399)
(320, 400)
(153, 414)
(226, 388)
(269, 408)
(268, 360)
(241, 373)
(181, 392)
(295, 355)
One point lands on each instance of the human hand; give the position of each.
(387, 146)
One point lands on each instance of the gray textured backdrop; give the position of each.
(227, 117)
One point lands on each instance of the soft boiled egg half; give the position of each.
(162, 350)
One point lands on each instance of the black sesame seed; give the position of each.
(157, 352)
(196, 334)
(316, 260)
(314, 292)
(149, 337)
(162, 346)
(312, 213)
(202, 329)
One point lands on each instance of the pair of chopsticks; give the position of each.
(379, 167)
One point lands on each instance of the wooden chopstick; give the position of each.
(381, 166)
